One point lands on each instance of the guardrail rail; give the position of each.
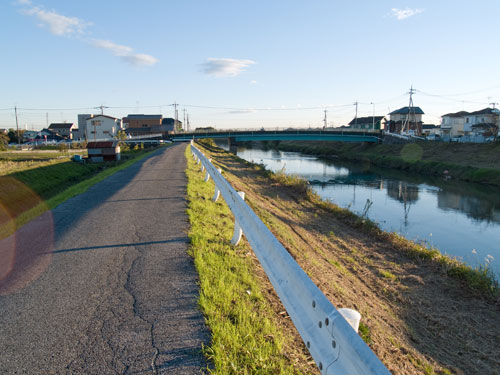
(334, 345)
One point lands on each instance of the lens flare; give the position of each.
(25, 252)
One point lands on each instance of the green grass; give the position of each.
(245, 336)
(387, 275)
(480, 280)
(29, 193)
(365, 333)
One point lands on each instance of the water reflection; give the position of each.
(461, 219)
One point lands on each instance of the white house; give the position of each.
(480, 121)
(453, 124)
(102, 127)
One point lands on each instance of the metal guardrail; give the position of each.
(332, 342)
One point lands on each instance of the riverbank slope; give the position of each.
(464, 161)
(416, 318)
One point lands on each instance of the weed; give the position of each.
(364, 332)
(387, 275)
(245, 338)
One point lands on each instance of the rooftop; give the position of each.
(406, 110)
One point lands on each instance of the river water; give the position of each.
(460, 219)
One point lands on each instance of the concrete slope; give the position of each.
(103, 284)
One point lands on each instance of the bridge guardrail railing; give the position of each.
(334, 345)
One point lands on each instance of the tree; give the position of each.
(12, 134)
(4, 141)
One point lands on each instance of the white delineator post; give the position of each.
(237, 228)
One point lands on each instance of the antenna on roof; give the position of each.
(493, 105)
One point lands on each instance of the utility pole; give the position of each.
(101, 107)
(373, 115)
(356, 116)
(47, 119)
(184, 123)
(175, 115)
(324, 126)
(17, 126)
(410, 108)
(188, 126)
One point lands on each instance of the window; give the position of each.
(96, 122)
(144, 125)
(466, 120)
(105, 132)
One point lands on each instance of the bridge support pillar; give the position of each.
(231, 142)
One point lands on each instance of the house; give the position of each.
(405, 120)
(483, 122)
(170, 126)
(48, 135)
(30, 135)
(82, 126)
(141, 124)
(102, 127)
(62, 129)
(453, 124)
(370, 122)
(431, 129)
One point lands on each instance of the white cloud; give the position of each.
(57, 23)
(402, 14)
(62, 26)
(222, 67)
(125, 53)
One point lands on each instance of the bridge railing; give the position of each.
(332, 342)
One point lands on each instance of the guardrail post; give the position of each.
(237, 229)
(217, 191)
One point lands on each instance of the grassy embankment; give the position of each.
(470, 162)
(245, 336)
(423, 313)
(29, 187)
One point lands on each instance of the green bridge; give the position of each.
(285, 135)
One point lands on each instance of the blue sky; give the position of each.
(255, 63)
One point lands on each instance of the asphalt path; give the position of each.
(103, 283)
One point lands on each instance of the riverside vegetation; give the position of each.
(422, 313)
(32, 183)
(463, 161)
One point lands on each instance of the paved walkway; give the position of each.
(103, 284)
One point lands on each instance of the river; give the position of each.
(460, 219)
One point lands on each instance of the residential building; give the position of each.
(82, 126)
(370, 122)
(170, 126)
(483, 122)
(100, 127)
(140, 124)
(431, 129)
(62, 129)
(453, 124)
(406, 119)
(30, 135)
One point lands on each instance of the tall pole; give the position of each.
(373, 116)
(175, 115)
(324, 126)
(184, 124)
(17, 126)
(356, 117)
